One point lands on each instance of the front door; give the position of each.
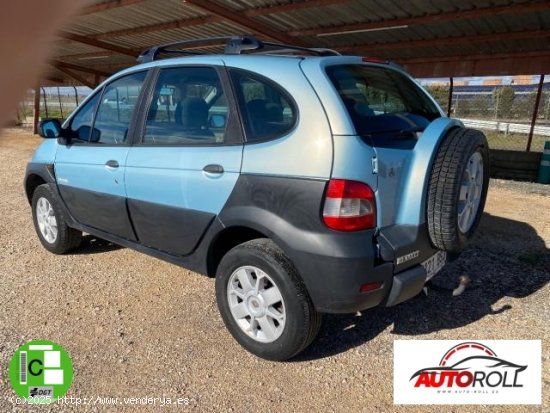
(90, 169)
(184, 166)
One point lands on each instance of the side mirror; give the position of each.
(49, 128)
(217, 121)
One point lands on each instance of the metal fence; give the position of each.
(503, 112)
(55, 102)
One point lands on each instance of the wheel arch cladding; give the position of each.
(32, 182)
(36, 175)
(226, 240)
(284, 209)
(288, 212)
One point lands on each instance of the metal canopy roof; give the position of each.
(431, 38)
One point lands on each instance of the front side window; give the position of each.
(381, 100)
(115, 110)
(268, 110)
(188, 107)
(81, 123)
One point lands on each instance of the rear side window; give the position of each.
(268, 111)
(382, 100)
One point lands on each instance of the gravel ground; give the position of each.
(137, 326)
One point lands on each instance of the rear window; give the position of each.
(382, 100)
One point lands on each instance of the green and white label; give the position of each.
(40, 371)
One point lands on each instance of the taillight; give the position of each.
(349, 206)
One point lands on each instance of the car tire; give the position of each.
(457, 188)
(250, 280)
(50, 222)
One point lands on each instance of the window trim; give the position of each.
(242, 105)
(233, 129)
(133, 120)
(68, 125)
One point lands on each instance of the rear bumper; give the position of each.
(339, 291)
(334, 278)
(406, 285)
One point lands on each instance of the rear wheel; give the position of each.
(263, 302)
(50, 222)
(458, 188)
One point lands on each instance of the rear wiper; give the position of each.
(399, 133)
(410, 132)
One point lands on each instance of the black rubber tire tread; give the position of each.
(444, 187)
(68, 239)
(303, 321)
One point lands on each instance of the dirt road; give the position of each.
(136, 326)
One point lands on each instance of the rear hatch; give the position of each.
(391, 114)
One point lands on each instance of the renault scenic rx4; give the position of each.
(303, 181)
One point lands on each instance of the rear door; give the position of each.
(90, 169)
(186, 159)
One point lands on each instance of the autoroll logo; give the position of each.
(467, 372)
(470, 365)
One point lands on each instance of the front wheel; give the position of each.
(50, 222)
(263, 301)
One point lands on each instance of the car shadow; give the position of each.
(94, 245)
(506, 258)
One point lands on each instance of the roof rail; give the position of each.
(233, 45)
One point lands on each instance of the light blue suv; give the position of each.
(303, 181)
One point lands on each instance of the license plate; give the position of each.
(434, 264)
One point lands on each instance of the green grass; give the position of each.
(515, 142)
(54, 113)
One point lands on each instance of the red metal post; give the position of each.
(60, 103)
(36, 110)
(535, 113)
(450, 102)
(45, 103)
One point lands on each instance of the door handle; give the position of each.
(112, 164)
(213, 169)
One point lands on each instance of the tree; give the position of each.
(439, 93)
(480, 106)
(545, 105)
(525, 106)
(503, 100)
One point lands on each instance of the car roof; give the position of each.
(255, 62)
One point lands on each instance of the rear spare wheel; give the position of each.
(457, 188)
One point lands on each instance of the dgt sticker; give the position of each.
(40, 371)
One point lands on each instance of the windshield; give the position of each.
(382, 100)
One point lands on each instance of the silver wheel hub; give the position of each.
(45, 217)
(256, 304)
(471, 189)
